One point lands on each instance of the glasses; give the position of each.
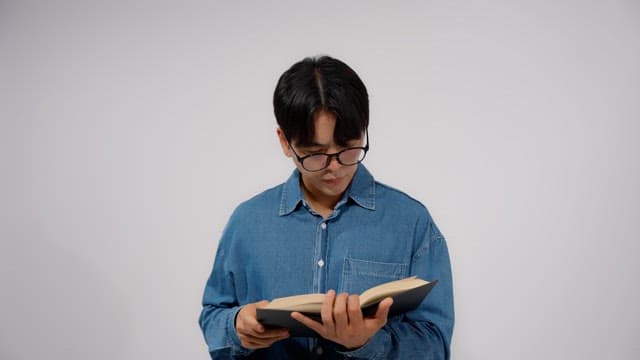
(348, 157)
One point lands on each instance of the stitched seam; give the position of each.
(283, 199)
(375, 262)
(395, 276)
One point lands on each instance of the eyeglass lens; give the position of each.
(346, 157)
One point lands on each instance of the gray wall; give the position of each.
(131, 130)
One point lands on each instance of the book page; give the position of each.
(306, 302)
(391, 288)
(313, 302)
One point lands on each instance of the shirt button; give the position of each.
(321, 263)
(319, 350)
(323, 226)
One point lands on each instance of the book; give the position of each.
(407, 294)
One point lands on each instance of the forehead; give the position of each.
(325, 125)
(324, 132)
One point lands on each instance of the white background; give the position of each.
(130, 131)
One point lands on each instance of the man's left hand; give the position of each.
(342, 320)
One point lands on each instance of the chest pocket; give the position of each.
(359, 275)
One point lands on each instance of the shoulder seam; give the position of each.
(398, 191)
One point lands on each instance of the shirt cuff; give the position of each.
(236, 344)
(373, 349)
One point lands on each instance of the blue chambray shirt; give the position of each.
(275, 245)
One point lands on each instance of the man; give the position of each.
(330, 228)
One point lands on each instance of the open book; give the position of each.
(407, 294)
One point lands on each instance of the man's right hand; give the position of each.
(251, 333)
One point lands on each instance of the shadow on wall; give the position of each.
(54, 304)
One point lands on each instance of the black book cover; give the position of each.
(403, 302)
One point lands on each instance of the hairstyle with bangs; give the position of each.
(321, 83)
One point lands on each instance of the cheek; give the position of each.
(351, 172)
(315, 178)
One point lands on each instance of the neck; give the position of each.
(323, 205)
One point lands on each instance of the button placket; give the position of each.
(320, 256)
(323, 226)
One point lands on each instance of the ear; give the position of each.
(284, 144)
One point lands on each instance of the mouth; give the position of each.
(333, 182)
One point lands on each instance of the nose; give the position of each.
(334, 164)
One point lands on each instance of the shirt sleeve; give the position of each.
(424, 333)
(220, 306)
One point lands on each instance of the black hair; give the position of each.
(321, 83)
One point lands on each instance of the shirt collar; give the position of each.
(362, 191)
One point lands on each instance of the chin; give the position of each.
(334, 191)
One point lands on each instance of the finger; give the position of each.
(254, 345)
(253, 323)
(310, 323)
(326, 312)
(247, 321)
(383, 311)
(269, 335)
(340, 312)
(252, 342)
(262, 304)
(257, 343)
(251, 326)
(353, 308)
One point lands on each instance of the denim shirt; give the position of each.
(275, 245)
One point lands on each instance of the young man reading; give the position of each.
(330, 228)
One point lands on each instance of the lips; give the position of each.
(333, 182)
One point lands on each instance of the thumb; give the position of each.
(383, 310)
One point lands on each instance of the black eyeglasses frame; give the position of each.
(330, 156)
